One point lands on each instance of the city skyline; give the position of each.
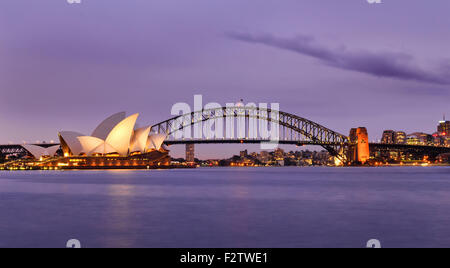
(441, 137)
(57, 68)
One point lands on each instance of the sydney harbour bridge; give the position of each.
(255, 125)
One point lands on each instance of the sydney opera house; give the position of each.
(115, 143)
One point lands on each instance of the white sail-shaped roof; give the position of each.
(139, 140)
(51, 151)
(105, 128)
(114, 135)
(103, 148)
(89, 143)
(71, 139)
(155, 141)
(120, 136)
(38, 151)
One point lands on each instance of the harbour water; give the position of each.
(227, 207)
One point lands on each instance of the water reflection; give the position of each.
(275, 207)
(120, 221)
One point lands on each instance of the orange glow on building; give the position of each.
(360, 152)
(152, 159)
(363, 145)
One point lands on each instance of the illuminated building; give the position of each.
(420, 138)
(279, 154)
(393, 137)
(264, 157)
(388, 137)
(116, 135)
(114, 143)
(412, 140)
(400, 137)
(442, 137)
(190, 153)
(153, 159)
(444, 128)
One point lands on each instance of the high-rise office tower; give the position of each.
(190, 153)
(444, 128)
(388, 137)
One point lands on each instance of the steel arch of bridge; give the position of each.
(18, 149)
(12, 149)
(293, 129)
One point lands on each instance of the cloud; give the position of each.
(380, 64)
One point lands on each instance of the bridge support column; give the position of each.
(359, 150)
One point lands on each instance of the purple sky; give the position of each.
(340, 63)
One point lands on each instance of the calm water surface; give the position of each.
(260, 207)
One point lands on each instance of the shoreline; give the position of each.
(94, 168)
(206, 167)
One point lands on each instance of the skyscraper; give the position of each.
(190, 153)
(444, 128)
(388, 137)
